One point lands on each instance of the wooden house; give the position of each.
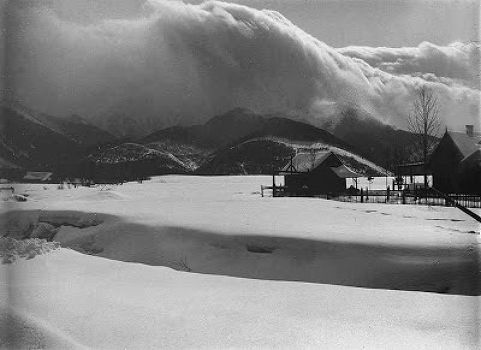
(316, 173)
(456, 162)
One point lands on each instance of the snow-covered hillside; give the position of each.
(358, 163)
(372, 270)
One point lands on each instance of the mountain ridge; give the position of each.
(236, 142)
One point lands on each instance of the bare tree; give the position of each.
(424, 122)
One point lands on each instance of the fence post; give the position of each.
(362, 196)
(387, 194)
(273, 184)
(404, 196)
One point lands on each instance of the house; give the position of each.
(456, 162)
(316, 173)
(37, 176)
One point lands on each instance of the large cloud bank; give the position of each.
(176, 63)
(455, 63)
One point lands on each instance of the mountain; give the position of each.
(282, 127)
(249, 157)
(239, 123)
(25, 141)
(262, 155)
(209, 143)
(243, 142)
(237, 142)
(217, 132)
(163, 162)
(196, 144)
(126, 126)
(39, 141)
(78, 130)
(380, 143)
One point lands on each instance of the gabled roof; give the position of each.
(304, 162)
(466, 144)
(473, 158)
(344, 172)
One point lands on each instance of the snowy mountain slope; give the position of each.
(248, 157)
(27, 142)
(239, 124)
(261, 155)
(37, 140)
(353, 160)
(190, 156)
(211, 148)
(217, 132)
(133, 152)
(236, 142)
(74, 127)
(381, 143)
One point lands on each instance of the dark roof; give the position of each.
(417, 168)
(466, 144)
(473, 158)
(344, 172)
(303, 162)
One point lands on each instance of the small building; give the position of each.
(37, 177)
(316, 173)
(456, 162)
(410, 176)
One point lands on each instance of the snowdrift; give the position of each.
(178, 225)
(72, 300)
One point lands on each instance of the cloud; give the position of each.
(176, 63)
(457, 62)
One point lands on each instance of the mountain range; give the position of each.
(38, 141)
(237, 142)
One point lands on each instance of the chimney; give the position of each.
(470, 130)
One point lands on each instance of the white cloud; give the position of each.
(185, 63)
(458, 61)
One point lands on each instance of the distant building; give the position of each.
(316, 173)
(37, 176)
(456, 162)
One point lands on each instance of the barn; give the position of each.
(456, 162)
(316, 173)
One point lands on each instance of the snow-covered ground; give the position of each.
(320, 274)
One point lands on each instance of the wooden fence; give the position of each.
(405, 197)
(419, 197)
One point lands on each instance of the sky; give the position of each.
(172, 62)
(391, 23)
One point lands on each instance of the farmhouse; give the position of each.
(456, 162)
(316, 173)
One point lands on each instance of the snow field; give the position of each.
(221, 227)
